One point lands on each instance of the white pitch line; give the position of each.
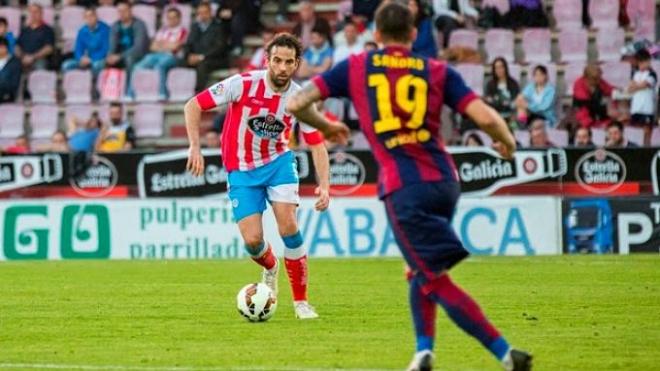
(53, 366)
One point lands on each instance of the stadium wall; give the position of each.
(54, 229)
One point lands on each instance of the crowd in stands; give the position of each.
(116, 53)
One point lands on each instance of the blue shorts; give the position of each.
(420, 216)
(276, 182)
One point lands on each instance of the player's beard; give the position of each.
(279, 81)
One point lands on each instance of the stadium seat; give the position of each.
(145, 85)
(11, 120)
(147, 14)
(42, 86)
(71, 20)
(604, 13)
(572, 72)
(107, 14)
(515, 70)
(77, 86)
(181, 83)
(499, 43)
(552, 72)
(49, 16)
(148, 120)
(655, 64)
(558, 137)
(655, 137)
(13, 16)
(634, 134)
(642, 18)
(186, 14)
(110, 85)
(43, 120)
(473, 74)
(82, 112)
(465, 38)
(568, 14)
(617, 73)
(501, 5)
(573, 45)
(609, 43)
(43, 3)
(598, 136)
(536, 45)
(522, 137)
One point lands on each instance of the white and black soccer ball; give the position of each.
(256, 302)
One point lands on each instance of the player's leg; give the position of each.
(248, 205)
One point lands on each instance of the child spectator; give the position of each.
(642, 88)
(537, 99)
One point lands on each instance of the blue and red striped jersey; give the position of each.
(399, 97)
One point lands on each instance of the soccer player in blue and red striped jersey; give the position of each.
(399, 97)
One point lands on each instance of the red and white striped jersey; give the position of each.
(257, 127)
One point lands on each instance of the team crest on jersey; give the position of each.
(266, 126)
(217, 89)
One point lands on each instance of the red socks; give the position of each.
(266, 259)
(296, 269)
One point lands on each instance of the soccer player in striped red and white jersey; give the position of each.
(260, 165)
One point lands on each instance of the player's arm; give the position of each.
(221, 93)
(492, 123)
(301, 105)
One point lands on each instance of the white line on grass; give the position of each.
(50, 366)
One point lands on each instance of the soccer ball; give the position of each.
(256, 302)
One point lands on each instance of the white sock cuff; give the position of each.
(294, 254)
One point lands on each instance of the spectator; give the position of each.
(526, 13)
(84, 136)
(10, 73)
(538, 135)
(537, 99)
(58, 143)
(119, 135)
(212, 139)
(502, 89)
(582, 137)
(4, 32)
(425, 43)
(590, 93)
(642, 88)
(352, 45)
(451, 15)
(308, 22)
(317, 58)
(473, 140)
(20, 147)
(165, 48)
(129, 40)
(615, 136)
(365, 8)
(36, 43)
(92, 45)
(370, 46)
(238, 16)
(258, 60)
(206, 47)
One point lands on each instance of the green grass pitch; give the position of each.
(572, 313)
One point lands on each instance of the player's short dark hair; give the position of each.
(616, 124)
(287, 40)
(3, 20)
(394, 21)
(643, 55)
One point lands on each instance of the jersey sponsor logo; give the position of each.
(600, 171)
(266, 126)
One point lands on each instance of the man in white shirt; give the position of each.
(352, 45)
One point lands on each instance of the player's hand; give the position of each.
(506, 151)
(324, 199)
(195, 161)
(337, 132)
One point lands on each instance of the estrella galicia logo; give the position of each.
(347, 173)
(268, 126)
(98, 179)
(600, 171)
(655, 173)
(84, 232)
